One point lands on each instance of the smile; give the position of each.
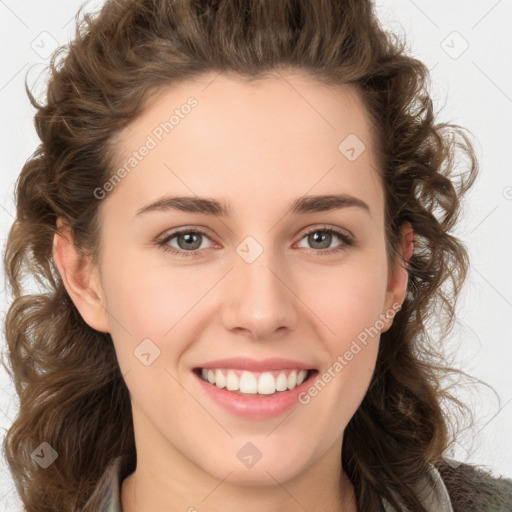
(254, 395)
(247, 382)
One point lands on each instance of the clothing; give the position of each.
(107, 496)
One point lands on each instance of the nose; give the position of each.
(260, 298)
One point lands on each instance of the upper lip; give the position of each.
(245, 363)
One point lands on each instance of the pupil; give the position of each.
(190, 239)
(321, 236)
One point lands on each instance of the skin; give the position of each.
(258, 146)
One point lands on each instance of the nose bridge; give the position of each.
(259, 300)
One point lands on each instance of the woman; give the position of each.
(194, 348)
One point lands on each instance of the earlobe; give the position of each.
(80, 278)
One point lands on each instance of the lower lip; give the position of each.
(257, 406)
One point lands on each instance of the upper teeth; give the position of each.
(264, 383)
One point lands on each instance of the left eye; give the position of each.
(324, 237)
(190, 241)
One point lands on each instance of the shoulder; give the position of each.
(473, 489)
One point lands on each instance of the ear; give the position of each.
(80, 277)
(398, 276)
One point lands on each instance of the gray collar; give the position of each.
(431, 492)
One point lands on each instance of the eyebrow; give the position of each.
(207, 206)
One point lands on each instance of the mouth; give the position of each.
(256, 384)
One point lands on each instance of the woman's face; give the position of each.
(262, 281)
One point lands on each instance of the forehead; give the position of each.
(282, 135)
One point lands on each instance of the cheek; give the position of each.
(149, 302)
(152, 329)
(150, 311)
(349, 309)
(349, 305)
(347, 300)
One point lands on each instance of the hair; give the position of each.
(71, 391)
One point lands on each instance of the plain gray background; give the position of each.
(467, 45)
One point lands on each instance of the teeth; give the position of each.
(248, 383)
(220, 380)
(282, 382)
(232, 382)
(301, 377)
(264, 383)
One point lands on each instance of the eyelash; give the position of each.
(347, 241)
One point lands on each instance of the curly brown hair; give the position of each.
(71, 391)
